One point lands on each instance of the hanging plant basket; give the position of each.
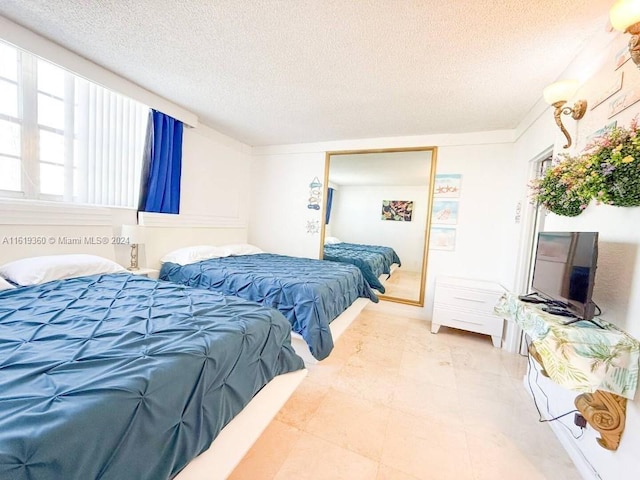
(622, 186)
(608, 172)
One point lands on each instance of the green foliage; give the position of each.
(608, 171)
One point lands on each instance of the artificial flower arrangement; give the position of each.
(607, 171)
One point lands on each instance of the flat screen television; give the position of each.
(565, 269)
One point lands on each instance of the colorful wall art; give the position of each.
(397, 210)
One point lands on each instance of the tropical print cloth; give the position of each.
(580, 356)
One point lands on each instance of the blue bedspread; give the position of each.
(122, 377)
(373, 260)
(310, 293)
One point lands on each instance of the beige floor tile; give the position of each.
(426, 448)
(267, 455)
(351, 422)
(503, 459)
(303, 404)
(386, 472)
(426, 399)
(453, 405)
(372, 383)
(421, 368)
(315, 459)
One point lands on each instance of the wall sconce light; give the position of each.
(557, 95)
(625, 17)
(135, 236)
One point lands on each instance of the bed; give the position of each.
(373, 260)
(309, 293)
(117, 376)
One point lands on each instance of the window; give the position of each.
(64, 138)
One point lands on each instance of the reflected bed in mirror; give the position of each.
(377, 216)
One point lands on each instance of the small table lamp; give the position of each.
(135, 236)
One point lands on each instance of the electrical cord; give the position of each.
(599, 312)
(546, 420)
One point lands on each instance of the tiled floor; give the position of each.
(403, 284)
(395, 402)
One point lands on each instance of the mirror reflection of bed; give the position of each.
(379, 202)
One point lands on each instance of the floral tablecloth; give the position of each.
(581, 356)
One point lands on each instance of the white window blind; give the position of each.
(65, 138)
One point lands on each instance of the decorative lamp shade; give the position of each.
(134, 233)
(560, 91)
(625, 13)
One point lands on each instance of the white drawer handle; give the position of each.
(469, 299)
(467, 321)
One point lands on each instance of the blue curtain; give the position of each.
(162, 165)
(329, 203)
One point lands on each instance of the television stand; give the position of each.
(566, 348)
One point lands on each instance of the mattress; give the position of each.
(119, 376)
(309, 293)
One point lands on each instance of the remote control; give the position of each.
(558, 311)
(531, 300)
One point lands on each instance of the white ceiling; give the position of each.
(288, 71)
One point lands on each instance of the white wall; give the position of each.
(617, 282)
(356, 218)
(486, 230)
(487, 234)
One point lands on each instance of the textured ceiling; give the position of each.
(288, 71)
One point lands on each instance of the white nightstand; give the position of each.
(146, 272)
(467, 305)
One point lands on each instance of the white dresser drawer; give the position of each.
(470, 321)
(478, 300)
(467, 304)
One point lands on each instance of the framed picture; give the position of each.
(601, 132)
(445, 212)
(397, 210)
(623, 101)
(622, 56)
(442, 239)
(614, 87)
(447, 186)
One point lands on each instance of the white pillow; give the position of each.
(238, 249)
(331, 240)
(187, 255)
(37, 270)
(4, 285)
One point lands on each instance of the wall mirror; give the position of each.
(381, 198)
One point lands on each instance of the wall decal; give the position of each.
(314, 194)
(313, 226)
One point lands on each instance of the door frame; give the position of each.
(532, 221)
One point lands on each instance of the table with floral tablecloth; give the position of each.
(580, 356)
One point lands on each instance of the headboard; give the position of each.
(30, 229)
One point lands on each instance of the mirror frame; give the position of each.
(427, 233)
